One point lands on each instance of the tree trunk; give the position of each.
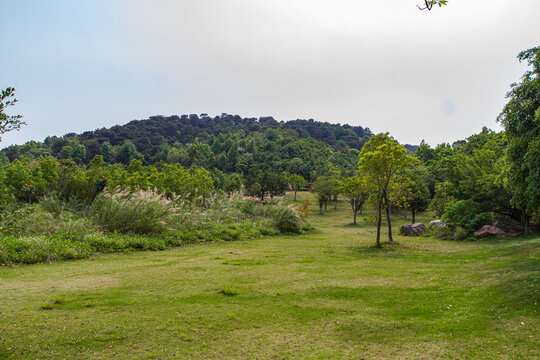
(526, 224)
(378, 241)
(295, 195)
(335, 204)
(325, 203)
(354, 218)
(320, 206)
(413, 215)
(390, 240)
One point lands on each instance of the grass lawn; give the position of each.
(325, 295)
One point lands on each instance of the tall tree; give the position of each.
(521, 120)
(7, 122)
(380, 159)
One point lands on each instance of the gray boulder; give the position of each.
(413, 229)
(436, 223)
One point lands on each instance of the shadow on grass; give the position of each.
(357, 225)
(385, 248)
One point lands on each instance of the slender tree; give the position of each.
(323, 188)
(357, 191)
(296, 182)
(380, 159)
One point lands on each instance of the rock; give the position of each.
(436, 223)
(508, 225)
(488, 230)
(413, 229)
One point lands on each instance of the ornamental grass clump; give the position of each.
(140, 212)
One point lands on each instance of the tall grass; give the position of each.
(142, 212)
(141, 220)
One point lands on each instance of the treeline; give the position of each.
(228, 143)
(466, 184)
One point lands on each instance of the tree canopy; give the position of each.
(521, 120)
(380, 159)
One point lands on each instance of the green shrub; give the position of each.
(52, 204)
(229, 291)
(459, 234)
(286, 219)
(465, 214)
(142, 213)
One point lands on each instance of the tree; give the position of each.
(8, 123)
(277, 184)
(128, 152)
(324, 188)
(357, 191)
(231, 183)
(418, 192)
(380, 159)
(296, 182)
(521, 120)
(266, 182)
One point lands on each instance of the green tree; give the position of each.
(521, 120)
(128, 152)
(323, 188)
(231, 183)
(380, 159)
(418, 192)
(357, 191)
(7, 122)
(441, 199)
(296, 182)
(107, 151)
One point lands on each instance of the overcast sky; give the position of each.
(439, 75)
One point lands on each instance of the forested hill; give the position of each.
(228, 143)
(157, 130)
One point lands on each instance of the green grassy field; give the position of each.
(325, 295)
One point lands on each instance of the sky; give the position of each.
(437, 75)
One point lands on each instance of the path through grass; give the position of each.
(325, 295)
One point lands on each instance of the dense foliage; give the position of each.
(521, 119)
(228, 143)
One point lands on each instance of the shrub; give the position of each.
(459, 234)
(229, 291)
(303, 208)
(52, 204)
(143, 212)
(286, 219)
(465, 214)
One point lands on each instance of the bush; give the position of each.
(140, 213)
(229, 291)
(52, 204)
(465, 214)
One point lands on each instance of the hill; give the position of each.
(229, 143)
